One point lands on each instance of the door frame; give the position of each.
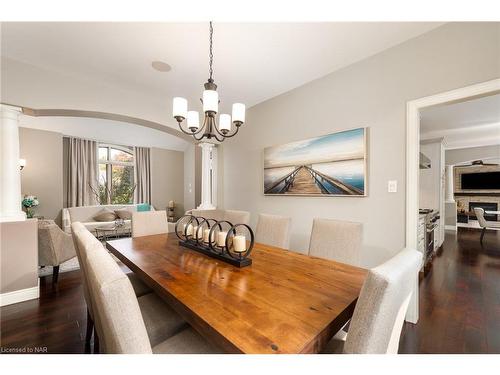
(413, 109)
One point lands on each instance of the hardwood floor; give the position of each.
(459, 306)
(55, 323)
(459, 298)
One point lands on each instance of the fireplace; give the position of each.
(487, 206)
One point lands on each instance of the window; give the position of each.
(116, 174)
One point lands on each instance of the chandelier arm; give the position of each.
(199, 139)
(233, 134)
(216, 133)
(202, 128)
(225, 135)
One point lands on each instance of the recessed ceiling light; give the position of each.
(161, 66)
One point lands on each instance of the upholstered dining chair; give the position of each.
(82, 236)
(483, 223)
(149, 223)
(237, 217)
(160, 320)
(54, 246)
(123, 322)
(273, 230)
(336, 240)
(381, 308)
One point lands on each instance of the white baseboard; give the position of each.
(450, 227)
(20, 295)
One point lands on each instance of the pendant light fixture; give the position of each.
(227, 126)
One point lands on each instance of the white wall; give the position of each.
(429, 179)
(372, 93)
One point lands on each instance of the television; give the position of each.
(481, 181)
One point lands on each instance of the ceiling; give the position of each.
(253, 61)
(469, 123)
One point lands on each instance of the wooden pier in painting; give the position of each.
(306, 180)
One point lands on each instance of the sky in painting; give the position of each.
(333, 147)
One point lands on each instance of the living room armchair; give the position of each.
(54, 246)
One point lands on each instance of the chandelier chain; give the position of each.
(211, 55)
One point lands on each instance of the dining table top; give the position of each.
(284, 302)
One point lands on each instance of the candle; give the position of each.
(189, 230)
(221, 238)
(195, 231)
(206, 233)
(239, 244)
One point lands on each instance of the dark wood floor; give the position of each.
(459, 306)
(459, 298)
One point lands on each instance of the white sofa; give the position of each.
(85, 215)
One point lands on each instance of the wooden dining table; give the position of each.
(284, 302)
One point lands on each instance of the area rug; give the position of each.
(69, 265)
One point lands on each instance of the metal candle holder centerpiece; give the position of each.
(218, 239)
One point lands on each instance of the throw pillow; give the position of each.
(124, 214)
(143, 207)
(105, 215)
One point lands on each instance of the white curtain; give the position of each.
(82, 174)
(142, 174)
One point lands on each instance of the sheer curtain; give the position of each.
(82, 174)
(142, 174)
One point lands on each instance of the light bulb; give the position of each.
(238, 112)
(180, 108)
(210, 101)
(224, 123)
(193, 120)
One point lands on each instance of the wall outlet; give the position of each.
(392, 186)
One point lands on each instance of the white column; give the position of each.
(10, 174)
(449, 196)
(208, 175)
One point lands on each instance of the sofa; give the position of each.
(233, 216)
(85, 215)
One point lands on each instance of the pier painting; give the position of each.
(333, 164)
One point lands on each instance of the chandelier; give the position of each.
(210, 128)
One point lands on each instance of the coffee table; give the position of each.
(107, 232)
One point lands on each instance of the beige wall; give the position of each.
(167, 179)
(18, 255)
(372, 93)
(43, 174)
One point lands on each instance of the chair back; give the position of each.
(237, 217)
(336, 240)
(121, 326)
(479, 212)
(148, 223)
(54, 245)
(86, 245)
(382, 304)
(273, 230)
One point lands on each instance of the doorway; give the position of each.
(414, 108)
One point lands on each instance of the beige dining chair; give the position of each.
(124, 327)
(160, 319)
(483, 223)
(273, 230)
(149, 223)
(381, 308)
(237, 217)
(336, 240)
